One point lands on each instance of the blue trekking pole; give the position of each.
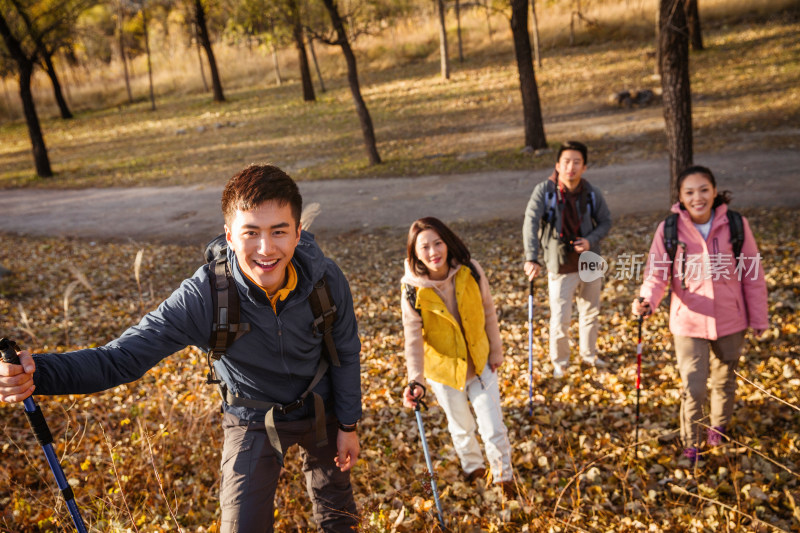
(9, 349)
(530, 351)
(418, 404)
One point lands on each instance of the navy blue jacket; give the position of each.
(274, 362)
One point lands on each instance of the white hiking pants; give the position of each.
(484, 394)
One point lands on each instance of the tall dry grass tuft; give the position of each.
(25, 325)
(67, 294)
(137, 269)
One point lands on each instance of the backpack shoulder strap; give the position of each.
(324, 311)
(550, 206)
(411, 295)
(671, 235)
(475, 273)
(737, 232)
(225, 328)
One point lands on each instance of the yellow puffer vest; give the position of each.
(446, 347)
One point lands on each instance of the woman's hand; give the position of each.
(641, 307)
(409, 399)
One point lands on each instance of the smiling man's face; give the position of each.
(264, 239)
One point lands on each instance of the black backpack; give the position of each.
(227, 328)
(671, 242)
(411, 291)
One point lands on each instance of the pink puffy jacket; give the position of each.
(722, 295)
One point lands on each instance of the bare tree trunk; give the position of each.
(205, 40)
(445, 61)
(200, 57)
(355, 88)
(149, 62)
(531, 108)
(677, 95)
(302, 57)
(122, 55)
(63, 108)
(316, 64)
(488, 11)
(458, 26)
(693, 21)
(535, 19)
(25, 71)
(276, 66)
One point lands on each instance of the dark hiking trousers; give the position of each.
(250, 473)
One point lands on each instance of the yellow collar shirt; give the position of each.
(280, 294)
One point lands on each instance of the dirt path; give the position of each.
(191, 214)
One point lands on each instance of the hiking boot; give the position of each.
(558, 371)
(595, 362)
(716, 436)
(476, 474)
(509, 489)
(692, 454)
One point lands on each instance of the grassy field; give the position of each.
(142, 453)
(744, 86)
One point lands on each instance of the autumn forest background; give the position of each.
(137, 104)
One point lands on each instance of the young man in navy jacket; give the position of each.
(275, 266)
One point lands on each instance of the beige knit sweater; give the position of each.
(446, 289)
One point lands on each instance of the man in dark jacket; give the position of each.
(566, 217)
(264, 374)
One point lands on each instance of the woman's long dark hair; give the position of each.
(723, 197)
(457, 252)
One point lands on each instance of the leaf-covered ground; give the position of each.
(145, 456)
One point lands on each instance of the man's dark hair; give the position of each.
(257, 184)
(574, 145)
(457, 252)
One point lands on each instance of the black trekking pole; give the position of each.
(418, 404)
(639, 371)
(530, 350)
(9, 349)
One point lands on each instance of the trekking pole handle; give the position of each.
(649, 310)
(418, 401)
(9, 350)
(531, 288)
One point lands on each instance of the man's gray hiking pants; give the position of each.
(250, 474)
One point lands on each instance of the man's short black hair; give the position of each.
(257, 184)
(573, 145)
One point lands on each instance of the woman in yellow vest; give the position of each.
(452, 340)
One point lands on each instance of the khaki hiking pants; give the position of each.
(707, 365)
(562, 288)
(250, 473)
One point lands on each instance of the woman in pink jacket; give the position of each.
(715, 298)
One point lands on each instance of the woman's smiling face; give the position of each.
(432, 251)
(697, 195)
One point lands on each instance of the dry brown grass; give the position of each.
(744, 86)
